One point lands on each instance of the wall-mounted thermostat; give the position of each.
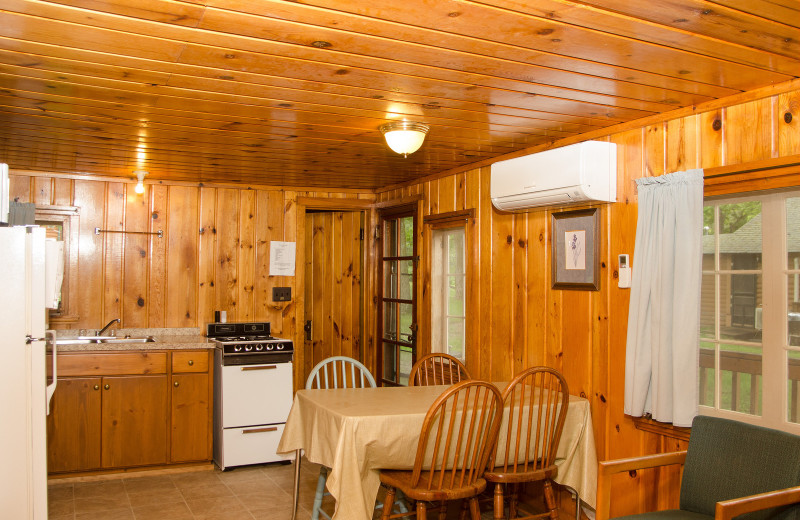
(624, 272)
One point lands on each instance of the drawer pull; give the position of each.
(106, 386)
(97, 387)
(191, 362)
(261, 430)
(177, 383)
(267, 367)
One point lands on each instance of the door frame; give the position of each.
(367, 333)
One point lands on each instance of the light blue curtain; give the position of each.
(664, 314)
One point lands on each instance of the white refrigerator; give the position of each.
(24, 388)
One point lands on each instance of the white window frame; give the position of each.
(774, 342)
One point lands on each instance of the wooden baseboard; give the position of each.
(113, 474)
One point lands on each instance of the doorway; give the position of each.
(333, 286)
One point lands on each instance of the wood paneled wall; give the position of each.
(522, 321)
(214, 254)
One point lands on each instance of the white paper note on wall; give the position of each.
(281, 258)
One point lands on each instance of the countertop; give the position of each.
(165, 339)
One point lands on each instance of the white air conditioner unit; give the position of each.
(583, 172)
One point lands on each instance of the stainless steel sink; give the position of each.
(142, 339)
(86, 340)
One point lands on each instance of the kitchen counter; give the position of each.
(165, 339)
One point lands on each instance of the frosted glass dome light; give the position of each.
(404, 137)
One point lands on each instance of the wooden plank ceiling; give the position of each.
(292, 93)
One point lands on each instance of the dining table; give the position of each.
(356, 432)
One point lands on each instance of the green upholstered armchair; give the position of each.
(730, 469)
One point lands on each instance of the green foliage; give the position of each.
(732, 216)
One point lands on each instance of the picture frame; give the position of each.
(575, 253)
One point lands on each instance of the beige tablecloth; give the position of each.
(358, 431)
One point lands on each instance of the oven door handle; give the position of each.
(260, 367)
(261, 430)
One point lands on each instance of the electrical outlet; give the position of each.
(281, 294)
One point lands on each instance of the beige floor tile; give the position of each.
(98, 489)
(110, 514)
(103, 503)
(210, 491)
(148, 484)
(254, 501)
(199, 478)
(206, 508)
(164, 511)
(162, 496)
(60, 506)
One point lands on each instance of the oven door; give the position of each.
(256, 394)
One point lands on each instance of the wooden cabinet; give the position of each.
(191, 407)
(124, 409)
(73, 426)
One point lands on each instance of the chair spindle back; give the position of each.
(340, 372)
(437, 369)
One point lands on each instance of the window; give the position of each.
(750, 312)
(448, 291)
(397, 312)
(61, 223)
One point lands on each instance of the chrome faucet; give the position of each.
(110, 323)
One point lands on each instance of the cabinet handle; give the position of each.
(106, 386)
(97, 387)
(191, 362)
(176, 383)
(267, 367)
(261, 430)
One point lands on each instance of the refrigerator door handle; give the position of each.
(50, 336)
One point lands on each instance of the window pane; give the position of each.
(390, 278)
(405, 236)
(793, 239)
(740, 378)
(706, 374)
(793, 408)
(406, 279)
(455, 337)
(793, 320)
(390, 320)
(406, 362)
(455, 249)
(390, 238)
(455, 296)
(406, 318)
(740, 307)
(707, 307)
(709, 225)
(389, 361)
(740, 235)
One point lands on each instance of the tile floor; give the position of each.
(246, 493)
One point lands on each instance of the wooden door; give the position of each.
(134, 428)
(73, 426)
(190, 438)
(333, 289)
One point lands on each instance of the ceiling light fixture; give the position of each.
(404, 137)
(140, 174)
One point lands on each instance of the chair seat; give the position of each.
(669, 514)
(499, 476)
(402, 480)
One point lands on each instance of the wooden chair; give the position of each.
(457, 437)
(537, 400)
(335, 372)
(437, 369)
(730, 468)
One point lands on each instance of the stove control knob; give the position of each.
(259, 347)
(269, 347)
(280, 346)
(248, 348)
(237, 348)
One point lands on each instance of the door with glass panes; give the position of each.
(397, 325)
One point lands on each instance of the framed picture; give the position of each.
(576, 250)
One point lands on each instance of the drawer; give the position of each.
(112, 363)
(252, 445)
(190, 361)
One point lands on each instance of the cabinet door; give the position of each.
(134, 420)
(73, 426)
(191, 427)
